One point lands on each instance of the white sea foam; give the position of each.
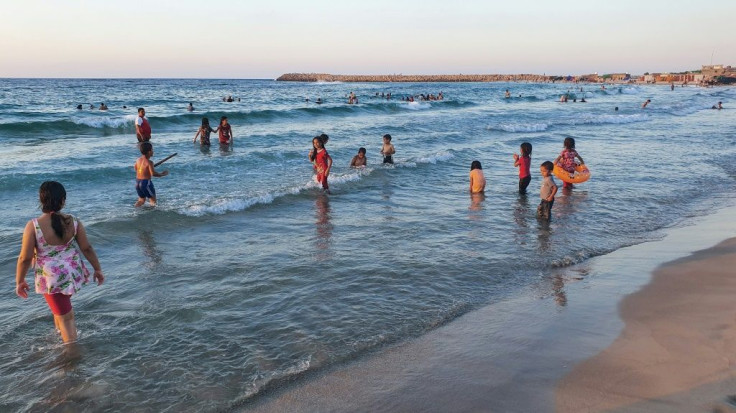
(433, 159)
(519, 127)
(630, 90)
(235, 204)
(588, 119)
(418, 105)
(105, 122)
(414, 162)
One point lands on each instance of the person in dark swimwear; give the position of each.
(387, 150)
(204, 133)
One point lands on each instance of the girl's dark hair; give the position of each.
(313, 155)
(569, 143)
(205, 122)
(222, 118)
(475, 165)
(52, 196)
(526, 149)
(324, 138)
(361, 150)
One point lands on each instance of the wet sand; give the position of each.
(514, 355)
(678, 349)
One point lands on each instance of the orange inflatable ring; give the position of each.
(580, 175)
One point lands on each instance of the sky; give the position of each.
(264, 39)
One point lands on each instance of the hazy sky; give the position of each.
(263, 39)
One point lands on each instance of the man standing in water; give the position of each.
(142, 128)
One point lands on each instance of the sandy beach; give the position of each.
(548, 353)
(678, 348)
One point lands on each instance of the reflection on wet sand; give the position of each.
(150, 250)
(386, 193)
(476, 206)
(558, 289)
(568, 204)
(544, 232)
(476, 202)
(521, 217)
(323, 226)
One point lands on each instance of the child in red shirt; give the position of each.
(523, 162)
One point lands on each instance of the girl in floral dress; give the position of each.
(52, 244)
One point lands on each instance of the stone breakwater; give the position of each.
(324, 77)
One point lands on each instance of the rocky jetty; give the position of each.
(325, 77)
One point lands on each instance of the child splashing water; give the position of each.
(566, 160)
(48, 244)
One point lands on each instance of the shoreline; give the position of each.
(677, 349)
(506, 356)
(489, 78)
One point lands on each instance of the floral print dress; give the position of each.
(59, 269)
(567, 160)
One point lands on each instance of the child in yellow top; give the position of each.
(477, 179)
(143, 173)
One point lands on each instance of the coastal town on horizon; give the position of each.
(707, 75)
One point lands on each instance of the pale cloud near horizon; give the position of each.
(248, 39)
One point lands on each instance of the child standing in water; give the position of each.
(547, 192)
(322, 162)
(359, 160)
(48, 244)
(523, 162)
(477, 179)
(225, 132)
(142, 128)
(566, 160)
(387, 150)
(143, 173)
(324, 139)
(204, 131)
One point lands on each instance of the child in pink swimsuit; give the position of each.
(566, 160)
(60, 271)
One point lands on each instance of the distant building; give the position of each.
(712, 73)
(717, 70)
(619, 77)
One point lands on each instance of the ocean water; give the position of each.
(246, 275)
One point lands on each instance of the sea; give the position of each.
(246, 276)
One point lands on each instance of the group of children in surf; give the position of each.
(322, 161)
(145, 169)
(548, 190)
(47, 240)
